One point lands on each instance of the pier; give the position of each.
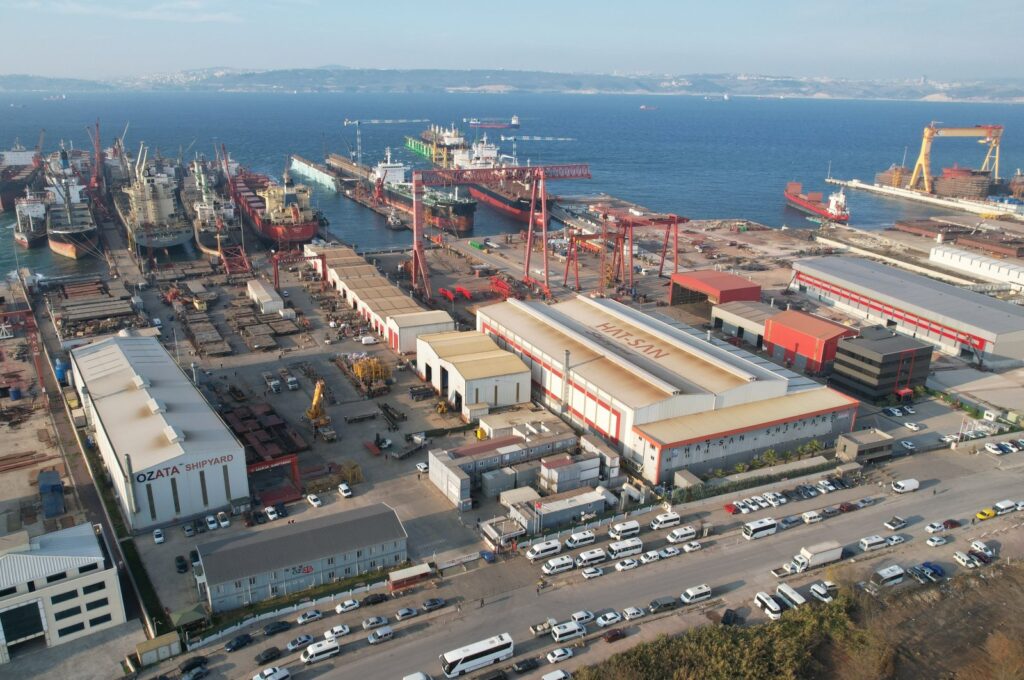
(984, 208)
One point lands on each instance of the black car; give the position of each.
(613, 634)
(839, 482)
(180, 565)
(434, 603)
(236, 643)
(281, 510)
(372, 599)
(497, 674)
(192, 662)
(275, 627)
(193, 556)
(268, 654)
(260, 518)
(526, 665)
(730, 618)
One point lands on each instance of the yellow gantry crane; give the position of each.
(989, 134)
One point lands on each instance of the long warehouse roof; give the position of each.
(936, 301)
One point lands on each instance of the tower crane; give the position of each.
(989, 134)
(531, 138)
(376, 121)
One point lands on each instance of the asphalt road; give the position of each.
(734, 567)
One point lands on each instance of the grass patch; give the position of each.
(103, 485)
(150, 600)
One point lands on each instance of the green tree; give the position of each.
(769, 457)
(741, 467)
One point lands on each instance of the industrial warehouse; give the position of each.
(670, 397)
(169, 454)
(959, 322)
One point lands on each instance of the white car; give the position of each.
(909, 410)
(608, 619)
(824, 591)
(314, 500)
(270, 512)
(742, 506)
(223, 519)
(592, 572)
(936, 541)
(669, 551)
(311, 615)
(345, 490)
(650, 556)
(407, 613)
(337, 632)
(692, 546)
(760, 500)
(983, 548)
(992, 448)
(752, 504)
(560, 654)
(632, 613)
(913, 427)
(211, 522)
(374, 622)
(626, 565)
(895, 539)
(158, 536)
(422, 467)
(347, 606)
(935, 528)
(582, 617)
(908, 445)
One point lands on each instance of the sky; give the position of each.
(869, 39)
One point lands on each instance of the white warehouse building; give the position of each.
(657, 389)
(168, 453)
(981, 266)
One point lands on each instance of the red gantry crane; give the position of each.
(536, 176)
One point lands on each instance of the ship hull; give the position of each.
(74, 246)
(29, 240)
(251, 208)
(516, 207)
(812, 208)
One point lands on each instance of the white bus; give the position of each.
(789, 596)
(477, 655)
(869, 543)
(887, 576)
(545, 549)
(759, 528)
(631, 546)
(589, 558)
(624, 530)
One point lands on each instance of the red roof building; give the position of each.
(802, 341)
(709, 285)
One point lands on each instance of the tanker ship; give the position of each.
(812, 204)
(19, 170)
(279, 214)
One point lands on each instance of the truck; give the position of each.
(543, 627)
(811, 557)
(272, 383)
(290, 381)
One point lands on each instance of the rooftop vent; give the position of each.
(155, 406)
(140, 382)
(174, 435)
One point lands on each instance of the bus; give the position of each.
(631, 546)
(887, 576)
(759, 528)
(477, 655)
(789, 596)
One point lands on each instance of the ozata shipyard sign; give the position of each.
(172, 470)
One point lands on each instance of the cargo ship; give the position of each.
(508, 196)
(386, 185)
(30, 210)
(812, 204)
(70, 225)
(149, 207)
(437, 144)
(279, 214)
(492, 123)
(19, 170)
(215, 223)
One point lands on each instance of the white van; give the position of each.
(906, 485)
(369, 340)
(964, 560)
(570, 630)
(580, 538)
(318, 651)
(545, 549)
(556, 565)
(812, 516)
(1003, 507)
(696, 594)
(768, 605)
(272, 673)
(869, 543)
(418, 675)
(589, 558)
(665, 520)
(382, 634)
(682, 534)
(624, 530)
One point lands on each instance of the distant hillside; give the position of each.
(342, 79)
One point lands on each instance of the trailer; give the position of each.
(272, 383)
(811, 557)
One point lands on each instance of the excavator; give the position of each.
(317, 416)
(174, 293)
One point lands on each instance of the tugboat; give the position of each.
(812, 204)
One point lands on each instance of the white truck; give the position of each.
(906, 485)
(273, 384)
(290, 381)
(811, 557)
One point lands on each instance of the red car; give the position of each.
(613, 635)
(847, 507)
(731, 509)
(951, 524)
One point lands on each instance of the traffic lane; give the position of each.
(736, 579)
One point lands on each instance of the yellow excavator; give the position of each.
(316, 414)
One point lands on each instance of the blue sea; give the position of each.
(688, 155)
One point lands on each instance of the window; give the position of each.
(373, 564)
(330, 560)
(152, 503)
(73, 628)
(202, 487)
(96, 604)
(56, 577)
(174, 495)
(99, 619)
(88, 567)
(348, 570)
(359, 553)
(8, 591)
(227, 483)
(252, 580)
(330, 575)
(64, 597)
(61, 615)
(93, 588)
(238, 584)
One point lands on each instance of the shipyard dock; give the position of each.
(985, 208)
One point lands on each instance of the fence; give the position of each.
(287, 609)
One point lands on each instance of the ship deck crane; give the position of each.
(375, 121)
(537, 176)
(989, 134)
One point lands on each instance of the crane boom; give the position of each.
(375, 121)
(987, 134)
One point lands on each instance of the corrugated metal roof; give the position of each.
(808, 324)
(123, 374)
(494, 363)
(712, 279)
(48, 554)
(966, 310)
(429, 318)
(255, 552)
(451, 344)
(755, 312)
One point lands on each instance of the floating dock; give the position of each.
(987, 208)
(316, 172)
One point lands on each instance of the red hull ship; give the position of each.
(812, 204)
(278, 214)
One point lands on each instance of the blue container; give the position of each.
(15, 393)
(60, 369)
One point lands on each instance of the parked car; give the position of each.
(268, 654)
(192, 663)
(336, 632)
(188, 529)
(650, 556)
(211, 522)
(196, 673)
(307, 616)
(730, 618)
(934, 568)
(434, 603)
(832, 510)
(275, 627)
(300, 642)
(951, 524)
(731, 508)
(865, 502)
(526, 665)
(847, 507)
(158, 536)
(406, 613)
(223, 520)
(259, 517)
(632, 613)
(314, 500)
(270, 512)
(824, 591)
(980, 556)
(372, 599)
(908, 445)
(668, 551)
(791, 521)
(692, 546)
(558, 655)
(896, 539)
(626, 564)
(346, 606)
(422, 467)
(374, 622)
(936, 541)
(935, 528)
(180, 565)
(608, 619)
(237, 642)
(913, 427)
(895, 524)
(909, 410)
(592, 572)
(613, 635)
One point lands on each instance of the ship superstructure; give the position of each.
(149, 207)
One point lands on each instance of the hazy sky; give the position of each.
(943, 39)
